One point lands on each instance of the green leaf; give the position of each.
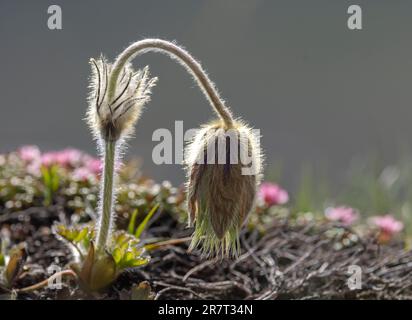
(126, 251)
(134, 262)
(15, 265)
(86, 270)
(117, 255)
(79, 236)
(54, 178)
(2, 254)
(132, 222)
(51, 180)
(96, 271)
(143, 224)
(103, 273)
(143, 291)
(45, 175)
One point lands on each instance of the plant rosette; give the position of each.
(97, 270)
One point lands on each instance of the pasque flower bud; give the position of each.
(222, 187)
(112, 117)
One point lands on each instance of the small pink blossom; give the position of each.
(68, 157)
(94, 165)
(342, 214)
(387, 224)
(29, 153)
(65, 158)
(273, 194)
(48, 158)
(82, 174)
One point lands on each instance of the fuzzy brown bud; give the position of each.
(224, 169)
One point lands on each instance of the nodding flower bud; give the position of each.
(224, 170)
(112, 115)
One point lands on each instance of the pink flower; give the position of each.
(68, 157)
(29, 153)
(273, 194)
(345, 215)
(82, 174)
(65, 158)
(388, 225)
(48, 158)
(94, 165)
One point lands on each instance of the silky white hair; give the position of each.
(115, 119)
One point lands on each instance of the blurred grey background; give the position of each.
(318, 92)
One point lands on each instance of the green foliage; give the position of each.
(132, 222)
(2, 254)
(18, 189)
(312, 192)
(79, 237)
(97, 270)
(51, 180)
(375, 188)
(143, 225)
(126, 251)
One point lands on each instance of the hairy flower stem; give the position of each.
(184, 58)
(105, 217)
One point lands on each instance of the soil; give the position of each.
(287, 261)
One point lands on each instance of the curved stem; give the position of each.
(184, 58)
(106, 195)
(47, 281)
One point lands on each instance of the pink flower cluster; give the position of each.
(64, 158)
(83, 166)
(342, 214)
(272, 194)
(388, 226)
(29, 153)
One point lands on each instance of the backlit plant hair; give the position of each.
(220, 196)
